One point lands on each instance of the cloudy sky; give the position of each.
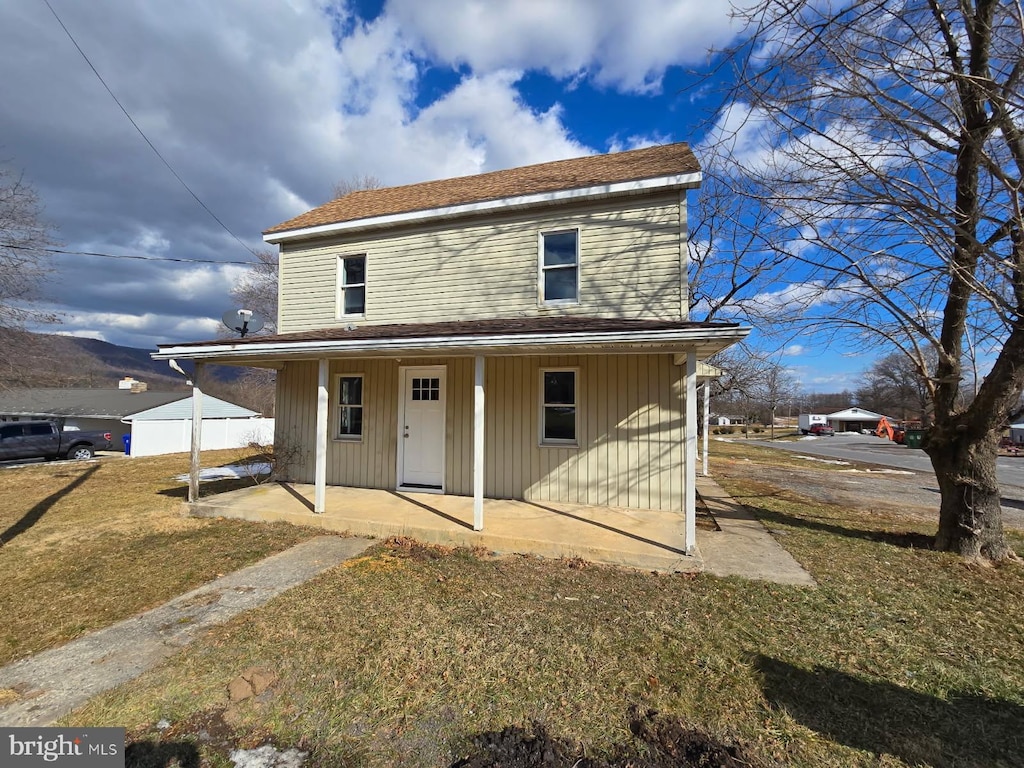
(261, 106)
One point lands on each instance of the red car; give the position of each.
(821, 429)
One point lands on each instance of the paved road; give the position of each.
(875, 450)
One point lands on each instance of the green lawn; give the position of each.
(901, 656)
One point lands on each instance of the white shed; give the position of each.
(853, 419)
(168, 428)
(1017, 433)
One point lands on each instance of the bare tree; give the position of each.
(727, 254)
(886, 142)
(257, 289)
(895, 387)
(753, 383)
(24, 265)
(355, 183)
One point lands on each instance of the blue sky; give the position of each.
(261, 106)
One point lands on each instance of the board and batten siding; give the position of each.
(632, 265)
(631, 421)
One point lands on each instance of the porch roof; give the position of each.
(516, 336)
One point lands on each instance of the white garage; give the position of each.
(168, 428)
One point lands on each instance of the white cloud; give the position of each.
(627, 45)
(260, 106)
(794, 350)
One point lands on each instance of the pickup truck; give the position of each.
(45, 440)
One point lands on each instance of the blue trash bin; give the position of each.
(127, 440)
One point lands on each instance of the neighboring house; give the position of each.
(518, 334)
(1017, 433)
(156, 421)
(853, 420)
(728, 421)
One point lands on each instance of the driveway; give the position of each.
(917, 490)
(876, 450)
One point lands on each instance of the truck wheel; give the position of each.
(81, 452)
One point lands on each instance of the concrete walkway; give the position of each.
(54, 682)
(743, 547)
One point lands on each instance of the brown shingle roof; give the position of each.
(575, 173)
(496, 327)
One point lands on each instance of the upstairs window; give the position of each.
(351, 285)
(558, 407)
(350, 407)
(559, 267)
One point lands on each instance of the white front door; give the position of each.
(421, 429)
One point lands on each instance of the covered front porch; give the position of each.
(462, 408)
(646, 539)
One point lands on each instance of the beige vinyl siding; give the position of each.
(630, 423)
(477, 268)
(295, 421)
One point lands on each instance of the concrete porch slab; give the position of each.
(645, 539)
(636, 538)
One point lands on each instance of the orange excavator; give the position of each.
(895, 432)
(884, 429)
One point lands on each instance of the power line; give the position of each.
(143, 135)
(136, 257)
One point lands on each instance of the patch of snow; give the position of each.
(823, 461)
(232, 471)
(267, 756)
(808, 437)
(880, 471)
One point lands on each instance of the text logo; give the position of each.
(71, 747)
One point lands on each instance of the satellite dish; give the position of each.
(243, 321)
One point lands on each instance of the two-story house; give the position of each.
(521, 334)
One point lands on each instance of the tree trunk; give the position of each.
(970, 515)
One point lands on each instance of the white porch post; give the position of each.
(197, 433)
(707, 423)
(478, 443)
(320, 476)
(690, 454)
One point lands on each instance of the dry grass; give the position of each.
(85, 544)
(902, 656)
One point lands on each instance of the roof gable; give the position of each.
(561, 175)
(855, 414)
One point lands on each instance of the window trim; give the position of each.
(339, 299)
(338, 405)
(551, 442)
(542, 269)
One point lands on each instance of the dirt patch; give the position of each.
(662, 742)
